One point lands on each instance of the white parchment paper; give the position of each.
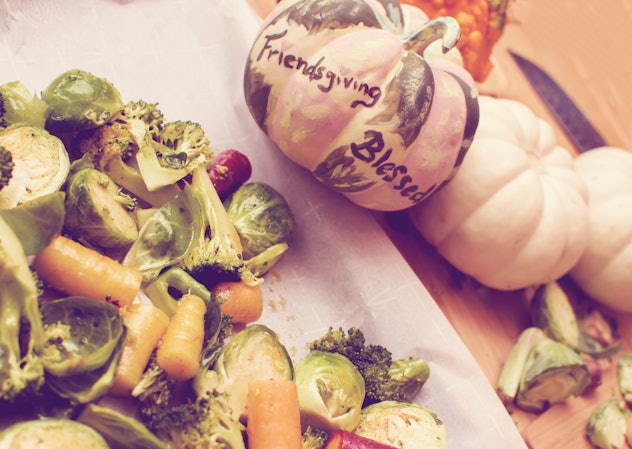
(342, 270)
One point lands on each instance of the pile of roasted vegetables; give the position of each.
(131, 260)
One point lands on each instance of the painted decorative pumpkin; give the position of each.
(605, 269)
(346, 90)
(516, 213)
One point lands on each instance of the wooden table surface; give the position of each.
(489, 321)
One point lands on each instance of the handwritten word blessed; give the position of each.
(373, 151)
(318, 72)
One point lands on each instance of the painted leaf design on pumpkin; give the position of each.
(339, 172)
(408, 99)
(320, 15)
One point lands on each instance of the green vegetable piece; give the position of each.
(411, 374)
(624, 377)
(57, 433)
(21, 330)
(607, 425)
(552, 373)
(6, 167)
(252, 353)
(88, 386)
(165, 291)
(515, 363)
(553, 312)
(177, 149)
(37, 222)
(166, 236)
(80, 100)
(82, 334)
(97, 210)
(261, 216)
(405, 425)
(120, 431)
(18, 105)
(330, 391)
(41, 164)
(314, 438)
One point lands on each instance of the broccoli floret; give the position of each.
(21, 329)
(175, 151)
(217, 256)
(203, 423)
(384, 379)
(314, 438)
(3, 112)
(155, 390)
(6, 166)
(114, 147)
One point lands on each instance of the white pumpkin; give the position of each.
(604, 270)
(515, 215)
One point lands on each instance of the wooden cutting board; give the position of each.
(489, 321)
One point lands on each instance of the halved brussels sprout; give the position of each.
(97, 211)
(82, 334)
(252, 353)
(80, 100)
(41, 164)
(330, 391)
(405, 425)
(21, 106)
(608, 425)
(57, 433)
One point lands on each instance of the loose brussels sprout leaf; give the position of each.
(82, 334)
(607, 425)
(553, 372)
(57, 433)
(624, 377)
(252, 353)
(37, 222)
(41, 164)
(119, 430)
(80, 100)
(262, 217)
(167, 235)
(97, 211)
(21, 106)
(88, 386)
(553, 312)
(405, 425)
(411, 373)
(598, 335)
(330, 391)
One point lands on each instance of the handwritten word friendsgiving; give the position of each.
(317, 71)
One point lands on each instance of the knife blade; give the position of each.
(570, 118)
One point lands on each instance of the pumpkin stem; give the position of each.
(445, 28)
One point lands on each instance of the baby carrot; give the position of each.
(243, 302)
(77, 270)
(179, 352)
(274, 419)
(146, 325)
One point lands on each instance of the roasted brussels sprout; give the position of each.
(18, 105)
(252, 353)
(405, 425)
(82, 334)
(80, 100)
(263, 219)
(330, 391)
(97, 210)
(607, 425)
(57, 433)
(40, 163)
(540, 372)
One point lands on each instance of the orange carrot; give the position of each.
(244, 303)
(181, 346)
(76, 270)
(146, 325)
(274, 419)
